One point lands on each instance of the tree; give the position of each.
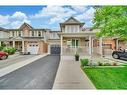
(111, 20)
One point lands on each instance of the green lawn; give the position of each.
(108, 78)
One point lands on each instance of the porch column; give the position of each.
(13, 44)
(100, 46)
(0, 43)
(61, 40)
(37, 33)
(90, 46)
(75, 47)
(48, 48)
(23, 46)
(117, 44)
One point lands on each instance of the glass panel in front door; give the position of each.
(73, 42)
(77, 43)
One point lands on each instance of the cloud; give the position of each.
(18, 23)
(19, 15)
(57, 14)
(14, 20)
(48, 15)
(87, 15)
(4, 20)
(54, 13)
(79, 8)
(88, 23)
(55, 19)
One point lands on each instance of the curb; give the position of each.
(18, 65)
(94, 88)
(56, 75)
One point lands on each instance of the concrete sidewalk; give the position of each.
(70, 75)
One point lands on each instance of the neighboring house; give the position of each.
(27, 39)
(71, 39)
(3, 35)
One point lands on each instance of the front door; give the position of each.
(75, 42)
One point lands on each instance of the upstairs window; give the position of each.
(32, 33)
(13, 34)
(19, 33)
(72, 28)
(54, 35)
(39, 34)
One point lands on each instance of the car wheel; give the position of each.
(116, 56)
(4, 57)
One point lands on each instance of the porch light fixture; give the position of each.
(87, 40)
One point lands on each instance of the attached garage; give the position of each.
(33, 48)
(55, 49)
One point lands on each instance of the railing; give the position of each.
(84, 50)
(70, 50)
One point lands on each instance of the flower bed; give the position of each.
(90, 62)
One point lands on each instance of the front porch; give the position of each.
(82, 45)
(88, 45)
(18, 44)
(26, 46)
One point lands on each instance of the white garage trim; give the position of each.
(33, 48)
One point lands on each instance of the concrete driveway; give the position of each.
(40, 74)
(14, 60)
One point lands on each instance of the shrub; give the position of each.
(114, 64)
(1, 48)
(100, 64)
(107, 64)
(3, 44)
(9, 50)
(84, 62)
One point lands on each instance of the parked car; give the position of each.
(119, 54)
(3, 55)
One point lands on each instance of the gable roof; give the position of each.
(25, 24)
(72, 21)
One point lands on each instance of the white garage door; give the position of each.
(33, 48)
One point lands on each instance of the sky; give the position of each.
(12, 17)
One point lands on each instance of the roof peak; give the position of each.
(72, 18)
(25, 24)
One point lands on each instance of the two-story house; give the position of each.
(27, 39)
(74, 38)
(70, 39)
